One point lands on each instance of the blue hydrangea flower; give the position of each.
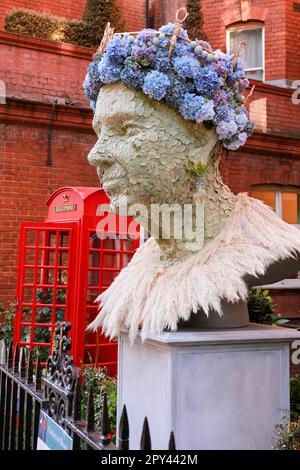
(226, 130)
(132, 76)
(109, 73)
(176, 91)
(224, 113)
(190, 106)
(207, 82)
(181, 48)
(221, 98)
(236, 142)
(146, 35)
(117, 50)
(241, 119)
(162, 61)
(156, 84)
(186, 67)
(206, 112)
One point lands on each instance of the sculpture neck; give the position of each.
(199, 220)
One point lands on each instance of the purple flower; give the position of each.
(143, 55)
(146, 35)
(190, 106)
(156, 84)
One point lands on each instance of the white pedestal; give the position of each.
(224, 389)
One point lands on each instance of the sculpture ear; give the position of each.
(202, 151)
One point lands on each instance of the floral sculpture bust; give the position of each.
(164, 106)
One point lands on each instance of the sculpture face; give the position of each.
(143, 148)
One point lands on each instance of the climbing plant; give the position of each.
(85, 33)
(194, 22)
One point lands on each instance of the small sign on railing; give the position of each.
(51, 436)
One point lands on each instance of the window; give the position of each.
(254, 55)
(286, 203)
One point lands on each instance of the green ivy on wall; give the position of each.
(85, 33)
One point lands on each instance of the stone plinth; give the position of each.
(224, 389)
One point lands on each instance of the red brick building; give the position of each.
(45, 124)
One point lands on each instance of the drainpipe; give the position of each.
(150, 14)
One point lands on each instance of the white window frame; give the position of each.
(251, 26)
(285, 283)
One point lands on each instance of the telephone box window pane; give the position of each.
(127, 245)
(290, 207)
(25, 334)
(111, 260)
(95, 241)
(108, 277)
(268, 197)
(64, 239)
(62, 277)
(93, 278)
(44, 296)
(91, 296)
(110, 244)
(50, 258)
(43, 315)
(61, 296)
(60, 314)
(94, 259)
(42, 334)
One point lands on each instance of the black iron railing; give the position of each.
(24, 393)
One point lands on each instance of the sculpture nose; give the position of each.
(100, 157)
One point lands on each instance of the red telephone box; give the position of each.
(64, 264)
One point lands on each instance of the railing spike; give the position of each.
(124, 430)
(105, 425)
(16, 358)
(90, 419)
(22, 363)
(38, 375)
(172, 444)
(29, 375)
(10, 355)
(145, 438)
(76, 411)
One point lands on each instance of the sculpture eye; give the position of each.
(128, 129)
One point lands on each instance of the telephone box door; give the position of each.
(46, 284)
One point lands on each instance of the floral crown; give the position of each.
(203, 85)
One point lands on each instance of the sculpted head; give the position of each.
(143, 148)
